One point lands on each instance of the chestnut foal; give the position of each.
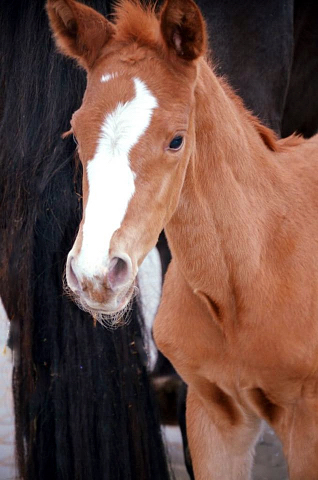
(164, 143)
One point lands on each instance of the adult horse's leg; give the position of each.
(170, 388)
(164, 377)
(220, 449)
(182, 400)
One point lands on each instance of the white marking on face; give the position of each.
(111, 182)
(108, 76)
(149, 282)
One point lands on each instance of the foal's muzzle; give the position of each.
(106, 289)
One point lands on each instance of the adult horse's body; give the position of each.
(180, 151)
(269, 54)
(80, 392)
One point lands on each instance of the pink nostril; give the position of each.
(119, 272)
(71, 276)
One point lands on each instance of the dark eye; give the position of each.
(176, 143)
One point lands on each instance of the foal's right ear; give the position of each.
(183, 28)
(80, 31)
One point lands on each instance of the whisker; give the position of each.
(109, 321)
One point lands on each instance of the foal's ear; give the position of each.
(183, 28)
(80, 32)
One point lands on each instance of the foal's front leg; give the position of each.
(219, 450)
(297, 427)
(221, 435)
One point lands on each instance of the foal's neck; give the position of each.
(229, 138)
(226, 207)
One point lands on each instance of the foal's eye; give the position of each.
(176, 143)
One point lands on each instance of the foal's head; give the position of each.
(135, 135)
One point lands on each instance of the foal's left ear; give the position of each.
(80, 31)
(183, 28)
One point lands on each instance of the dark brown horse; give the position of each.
(80, 392)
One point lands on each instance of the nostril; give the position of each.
(71, 276)
(118, 272)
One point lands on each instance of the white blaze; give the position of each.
(110, 179)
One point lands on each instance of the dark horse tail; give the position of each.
(83, 406)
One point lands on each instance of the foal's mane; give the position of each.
(267, 135)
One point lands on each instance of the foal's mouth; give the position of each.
(112, 313)
(121, 299)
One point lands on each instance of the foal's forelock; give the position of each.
(110, 179)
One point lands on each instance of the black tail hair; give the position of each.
(83, 406)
